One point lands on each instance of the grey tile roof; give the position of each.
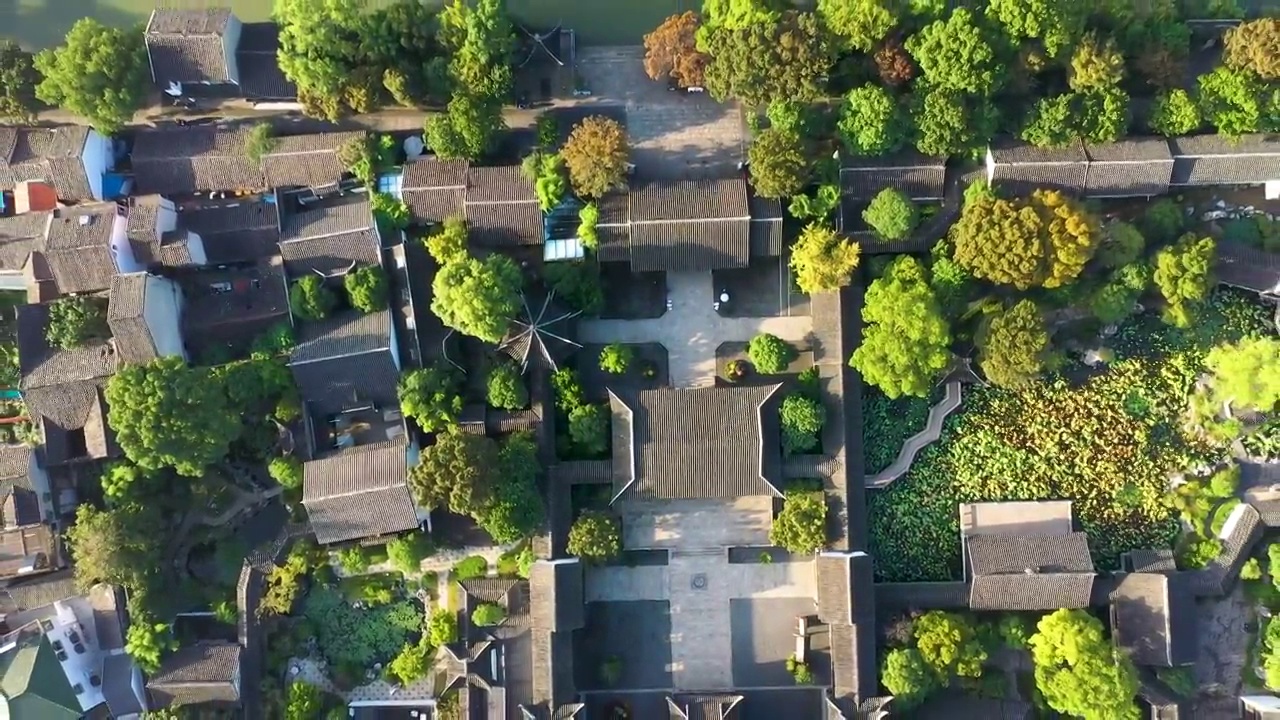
(50, 154)
(1043, 572)
(152, 244)
(1153, 618)
(766, 238)
(188, 46)
(436, 206)
(510, 224)
(360, 492)
(329, 238)
(690, 246)
(1246, 267)
(106, 602)
(671, 432)
(26, 593)
(698, 706)
(431, 173)
(260, 74)
(853, 660)
(347, 333)
(1155, 560)
(505, 183)
(194, 158)
(133, 340)
(1022, 168)
(615, 209)
(711, 199)
(197, 674)
(346, 361)
(846, 590)
(1134, 167)
(45, 366)
(76, 251)
(919, 176)
(117, 685)
(955, 705)
(556, 595)
(20, 235)
(553, 675)
(15, 462)
(1243, 529)
(306, 160)
(240, 231)
(1217, 160)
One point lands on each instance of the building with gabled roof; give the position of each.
(1022, 168)
(82, 249)
(1153, 618)
(435, 189)
(192, 46)
(144, 312)
(260, 75)
(1024, 556)
(71, 158)
(1247, 268)
(690, 225)
(703, 706)
(661, 438)
(920, 177)
(360, 492)
(1210, 160)
(1132, 167)
(846, 603)
(241, 231)
(203, 675)
(502, 209)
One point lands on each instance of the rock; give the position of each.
(1215, 215)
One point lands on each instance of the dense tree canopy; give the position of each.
(468, 128)
(430, 397)
(1182, 274)
(1056, 24)
(504, 388)
(1254, 46)
(595, 537)
(949, 644)
(891, 214)
(801, 418)
(1096, 63)
(801, 526)
(872, 122)
(952, 123)
(366, 288)
(478, 297)
(100, 72)
(17, 83)
(763, 62)
(1044, 240)
(515, 510)
(1229, 100)
(671, 51)
(858, 24)
(319, 50)
(457, 473)
(1247, 373)
(311, 299)
(778, 163)
(119, 545)
(822, 260)
(596, 156)
(906, 675)
(1174, 113)
(906, 341)
(482, 39)
(956, 54)
(1079, 672)
(1014, 345)
(166, 414)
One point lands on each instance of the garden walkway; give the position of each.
(914, 444)
(691, 329)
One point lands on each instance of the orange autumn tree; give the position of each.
(670, 51)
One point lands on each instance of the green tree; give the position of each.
(588, 219)
(1053, 121)
(319, 51)
(450, 242)
(391, 213)
(287, 471)
(892, 214)
(1122, 244)
(123, 482)
(305, 701)
(1096, 63)
(1183, 275)
(1044, 240)
(949, 644)
(482, 51)
(1104, 114)
(488, 614)
(442, 627)
(261, 140)
(596, 156)
(800, 420)
(1254, 46)
(595, 537)
(1116, 299)
(956, 54)
(951, 123)
(1174, 113)
(763, 62)
(770, 354)
(859, 24)
(411, 664)
(166, 414)
(406, 553)
(1056, 24)
(616, 359)
(822, 260)
(778, 163)
(1014, 346)
(1229, 101)
(75, 320)
(907, 677)
(366, 288)
(119, 545)
(801, 526)
(17, 84)
(546, 171)
(872, 122)
(739, 13)
(504, 388)
(468, 129)
(148, 641)
(905, 344)
(430, 397)
(1163, 222)
(1247, 373)
(1079, 672)
(589, 428)
(310, 299)
(1251, 570)
(100, 73)
(515, 511)
(353, 560)
(577, 283)
(457, 473)
(478, 297)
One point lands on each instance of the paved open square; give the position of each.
(696, 524)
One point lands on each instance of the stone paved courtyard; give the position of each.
(691, 329)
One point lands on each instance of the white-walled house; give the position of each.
(72, 158)
(145, 315)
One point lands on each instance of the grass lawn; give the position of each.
(40, 23)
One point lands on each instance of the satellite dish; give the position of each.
(413, 146)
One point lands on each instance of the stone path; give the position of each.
(701, 638)
(914, 444)
(691, 329)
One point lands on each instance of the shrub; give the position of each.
(548, 130)
(430, 397)
(353, 560)
(259, 141)
(1015, 631)
(407, 552)
(801, 527)
(413, 663)
(589, 429)
(546, 172)
(1199, 552)
(274, 342)
(391, 213)
(505, 388)
(770, 354)
(892, 214)
(310, 299)
(1251, 570)
(473, 566)
(488, 614)
(568, 390)
(73, 321)
(366, 288)
(442, 627)
(616, 358)
(1223, 483)
(801, 419)
(287, 471)
(588, 217)
(800, 671)
(595, 537)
